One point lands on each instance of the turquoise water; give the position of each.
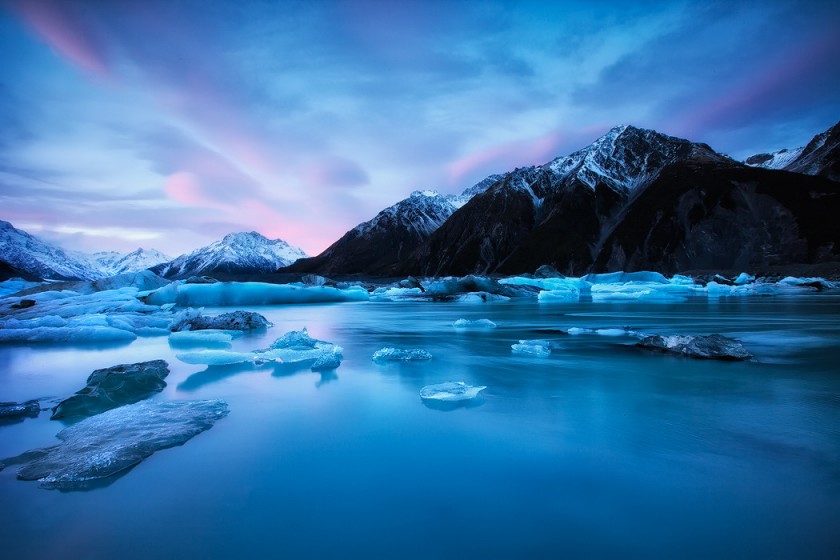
(596, 451)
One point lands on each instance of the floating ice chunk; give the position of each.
(328, 361)
(402, 294)
(624, 277)
(611, 332)
(744, 278)
(252, 293)
(541, 348)
(709, 347)
(477, 324)
(17, 411)
(194, 320)
(114, 386)
(298, 346)
(816, 283)
(451, 391)
(110, 443)
(401, 355)
(66, 334)
(207, 339)
(215, 357)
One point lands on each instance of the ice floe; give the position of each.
(294, 347)
(12, 412)
(539, 348)
(401, 355)
(474, 324)
(114, 386)
(194, 320)
(108, 444)
(451, 391)
(708, 347)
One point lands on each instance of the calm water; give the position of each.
(596, 451)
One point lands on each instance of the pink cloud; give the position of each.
(66, 32)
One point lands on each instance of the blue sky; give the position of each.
(170, 124)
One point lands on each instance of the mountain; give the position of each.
(113, 263)
(556, 213)
(821, 156)
(236, 253)
(37, 259)
(376, 246)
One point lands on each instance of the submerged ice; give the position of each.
(114, 386)
(401, 355)
(110, 443)
(451, 391)
(708, 347)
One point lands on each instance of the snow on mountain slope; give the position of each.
(775, 160)
(43, 260)
(626, 157)
(236, 253)
(135, 261)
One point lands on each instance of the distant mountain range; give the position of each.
(236, 253)
(634, 199)
(23, 255)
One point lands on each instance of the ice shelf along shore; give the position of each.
(252, 293)
(121, 308)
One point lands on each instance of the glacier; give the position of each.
(109, 444)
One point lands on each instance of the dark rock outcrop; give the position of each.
(112, 387)
(11, 412)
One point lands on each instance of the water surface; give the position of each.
(599, 450)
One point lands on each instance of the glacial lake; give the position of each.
(598, 451)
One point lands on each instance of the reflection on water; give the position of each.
(598, 450)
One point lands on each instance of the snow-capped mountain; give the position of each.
(627, 157)
(775, 160)
(236, 253)
(135, 261)
(375, 246)
(39, 259)
(821, 156)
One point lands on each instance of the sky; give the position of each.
(169, 124)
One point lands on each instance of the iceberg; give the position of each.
(611, 331)
(477, 324)
(251, 293)
(112, 387)
(65, 334)
(109, 444)
(708, 347)
(539, 348)
(401, 355)
(451, 391)
(194, 320)
(294, 347)
(744, 278)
